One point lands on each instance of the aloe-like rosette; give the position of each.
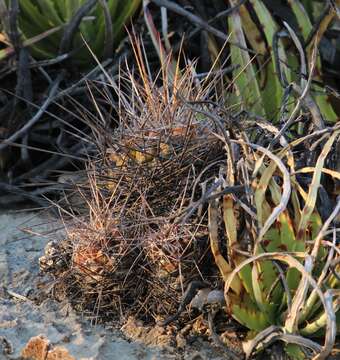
(271, 58)
(282, 284)
(99, 24)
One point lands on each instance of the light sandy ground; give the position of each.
(21, 318)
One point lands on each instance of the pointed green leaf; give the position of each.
(244, 78)
(247, 313)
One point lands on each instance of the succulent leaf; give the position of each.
(39, 17)
(245, 78)
(305, 26)
(247, 313)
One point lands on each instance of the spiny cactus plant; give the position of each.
(141, 182)
(280, 277)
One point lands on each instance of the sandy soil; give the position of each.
(51, 330)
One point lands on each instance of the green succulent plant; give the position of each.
(283, 286)
(98, 23)
(272, 57)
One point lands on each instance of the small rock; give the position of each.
(195, 356)
(36, 348)
(39, 348)
(200, 299)
(180, 341)
(54, 260)
(6, 346)
(216, 297)
(153, 336)
(59, 353)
